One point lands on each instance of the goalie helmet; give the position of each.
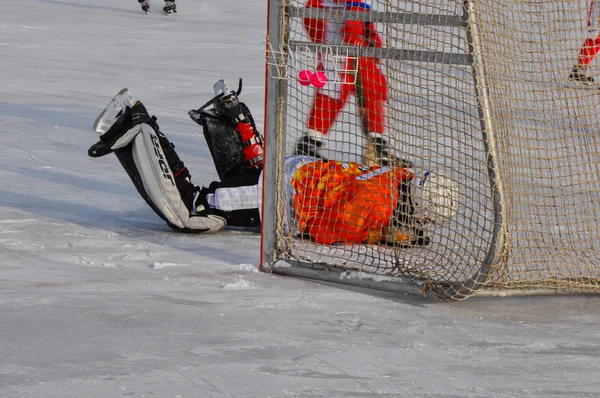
(436, 199)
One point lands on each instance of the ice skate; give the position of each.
(377, 153)
(145, 4)
(578, 75)
(404, 236)
(130, 117)
(170, 7)
(309, 146)
(120, 126)
(115, 108)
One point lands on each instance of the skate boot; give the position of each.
(170, 7)
(405, 230)
(578, 75)
(404, 236)
(145, 5)
(378, 153)
(121, 125)
(137, 114)
(309, 146)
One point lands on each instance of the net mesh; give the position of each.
(478, 92)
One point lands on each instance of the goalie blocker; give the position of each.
(330, 202)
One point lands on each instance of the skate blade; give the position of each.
(577, 85)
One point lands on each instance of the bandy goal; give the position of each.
(496, 99)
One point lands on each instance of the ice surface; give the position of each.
(98, 298)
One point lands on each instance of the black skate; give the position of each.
(121, 125)
(137, 114)
(578, 75)
(170, 7)
(145, 5)
(381, 154)
(309, 146)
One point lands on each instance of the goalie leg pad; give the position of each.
(146, 163)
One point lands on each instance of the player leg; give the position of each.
(170, 7)
(156, 171)
(145, 4)
(372, 95)
(236, 199)
(327, 105)
(588, 51)
(590, 47)
(165, 184)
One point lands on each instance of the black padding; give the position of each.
(224, 144)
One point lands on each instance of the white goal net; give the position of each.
(478, 92)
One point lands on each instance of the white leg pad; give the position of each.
(159, 183)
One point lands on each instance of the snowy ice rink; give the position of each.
(98, 298)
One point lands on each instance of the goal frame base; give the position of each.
(322, 272)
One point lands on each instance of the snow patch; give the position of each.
(247, 267)
(165, 265)
(239, 284)
(281, 264)
(22, 221)
(539, 346)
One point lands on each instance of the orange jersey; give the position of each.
(341, 202)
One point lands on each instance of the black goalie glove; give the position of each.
(234, 142)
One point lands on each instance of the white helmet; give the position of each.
(436, 199)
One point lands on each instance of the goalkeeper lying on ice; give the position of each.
(330, 202)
